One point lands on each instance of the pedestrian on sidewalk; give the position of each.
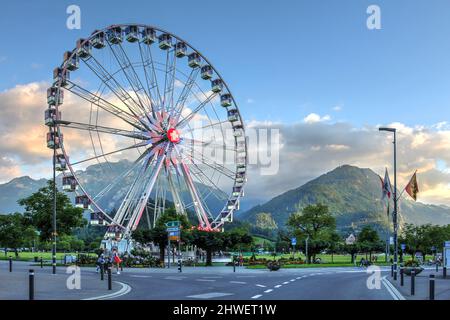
(116, 260)
(100, 262)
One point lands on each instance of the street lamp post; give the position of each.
(394, 215)
(54, 206)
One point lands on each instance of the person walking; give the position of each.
(116, 260)
(100, 262)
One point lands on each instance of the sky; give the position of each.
(312, 69)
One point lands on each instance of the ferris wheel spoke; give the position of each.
(116, 180)
(194, 143)
(140, 144)
(183, 121)
(102, 129)
(143, 199)
(198, 207)
(211, 184)
(153, 81)
(187, 88)
(179, 205)
(115, 87)
(103, 104)
(210, 191)
(201, 158)
(220, 123)
(149, 80)
(169, 79)
(130, 73)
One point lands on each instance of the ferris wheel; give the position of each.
(140, 121)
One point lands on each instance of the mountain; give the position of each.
(16, 189)
(95, 179)
(353, 197)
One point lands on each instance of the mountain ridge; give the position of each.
(353, 197)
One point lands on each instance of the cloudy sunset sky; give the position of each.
(311, 69)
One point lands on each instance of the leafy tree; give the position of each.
(423, 238)
(315, 222)
(158, 234)
(208, 241)
(334, 244)
(16, 232)
(369, 241)
(39, 211)
(213, 241)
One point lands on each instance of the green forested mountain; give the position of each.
(353, 196)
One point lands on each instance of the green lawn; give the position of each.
(326, 258)
(26, 256)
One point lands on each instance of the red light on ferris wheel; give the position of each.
(173, 135)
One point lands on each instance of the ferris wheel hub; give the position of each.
(173, 135)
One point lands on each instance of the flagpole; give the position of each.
(394, 214)
(395, 208)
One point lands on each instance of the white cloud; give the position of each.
(250, 101)
(311, 150)
(337, 108)
(314, 118)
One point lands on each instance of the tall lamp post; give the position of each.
(394, 215)
(54, 205)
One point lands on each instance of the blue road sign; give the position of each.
(293, 241)
(403, 246)
(172, 229)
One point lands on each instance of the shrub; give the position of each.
(412, 264)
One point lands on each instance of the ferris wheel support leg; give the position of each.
(201, 214)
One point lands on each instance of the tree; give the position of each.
(16, 232)
(422, 238)
(369, 241)
(315, 222)
(39, 211)
(214, 241)
(208, 241)
(334, 244)
(158, 234)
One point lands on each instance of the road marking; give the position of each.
(246, 277)
(298, 278)
(257, 296)
(260, 285)
(210, 295)
(238, 282)
(123, 291)
(212, 277)
(268, 290)
(205, 280)
(392, 290)
(174, 278)
(286, 282)
(138, 276)
(292, 280)
(277, 286)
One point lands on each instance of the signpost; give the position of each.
(294, 243)
(173, 234)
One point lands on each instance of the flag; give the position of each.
(386, 187)
(412, 188)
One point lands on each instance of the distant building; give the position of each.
(351, 239)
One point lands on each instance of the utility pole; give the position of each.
(394, 214)
(54, 202)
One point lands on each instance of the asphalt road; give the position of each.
(218, 283)
(312, 284)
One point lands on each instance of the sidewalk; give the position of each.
(14, 285)
(422, 283)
